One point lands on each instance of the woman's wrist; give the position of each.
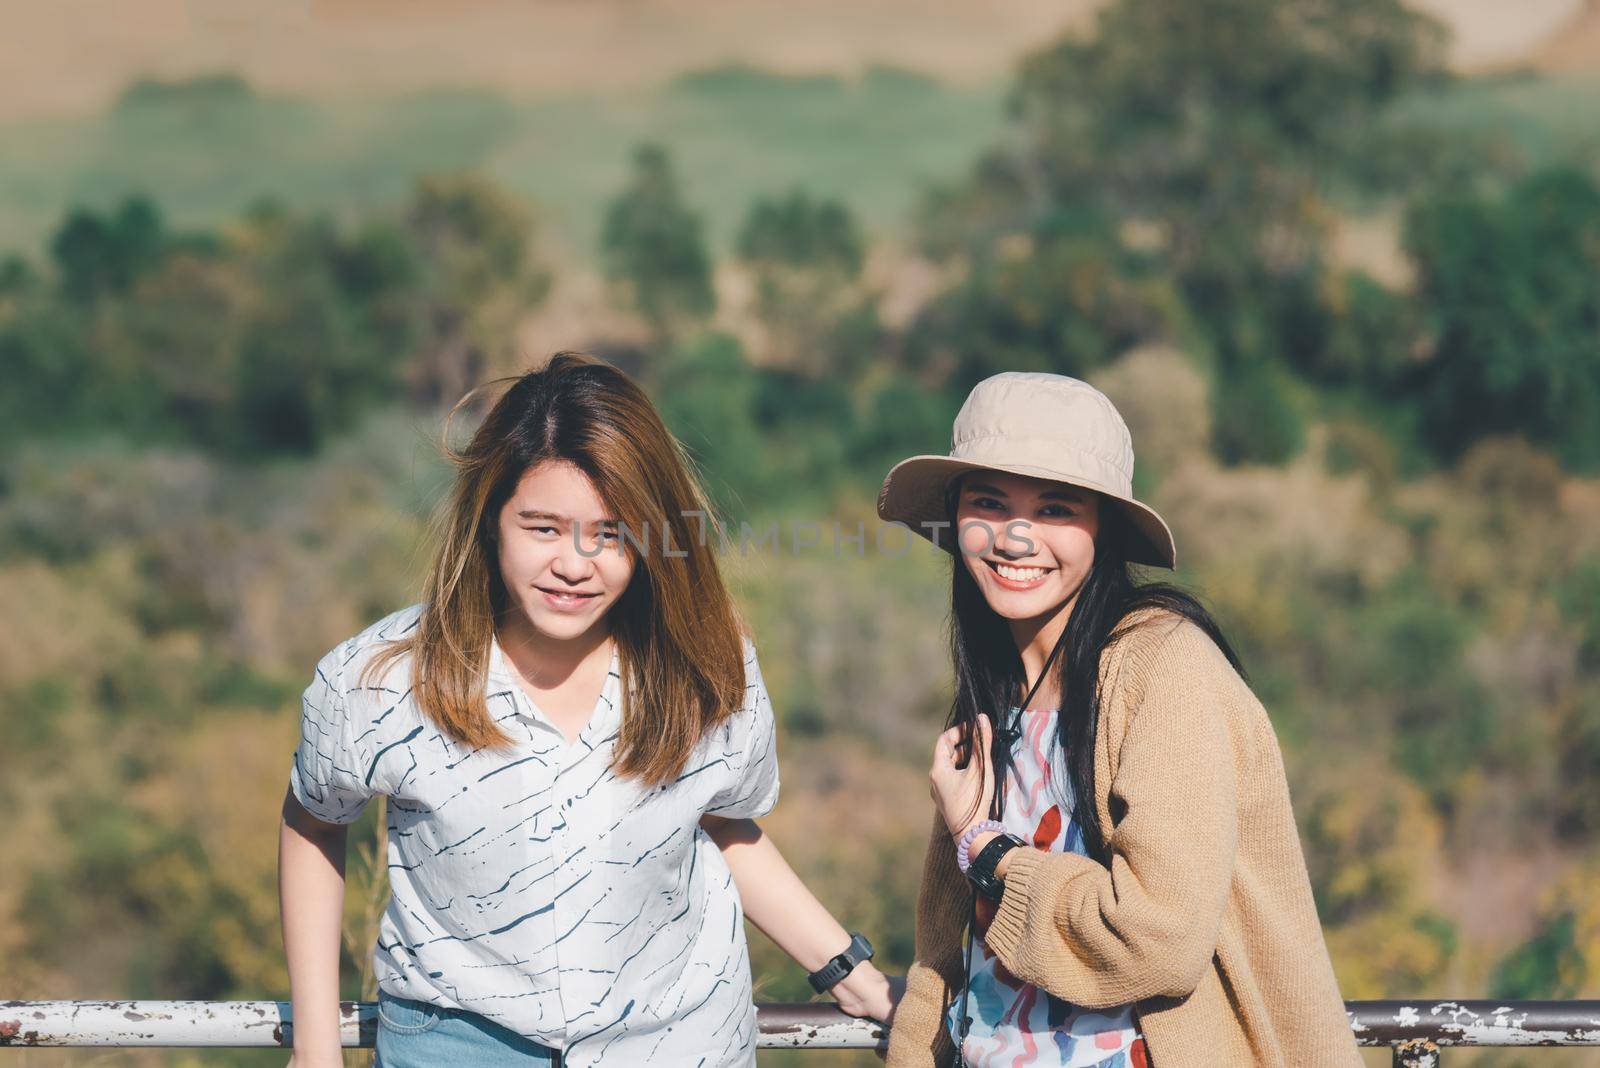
(866, 991)
(968, 841)
(863, 978)
(979, 841)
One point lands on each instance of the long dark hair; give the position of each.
(988, 667)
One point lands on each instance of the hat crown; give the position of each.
(1032, 418)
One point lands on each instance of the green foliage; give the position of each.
(804, 256)
(274, 338)
(1540, 967)
(95, 255)
(707, 398)
(1217, 117)
(201, 90)
(1203, 140)
(1508, 292)
(17, 276)
(1371, 331)
(744, 79)
(653, 245)
(466, 252)
(768, 437)
(798, 232)
(1579, 600)
(1255, 418)
(1062, 297)
(1412, 643)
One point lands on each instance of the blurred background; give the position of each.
(1335, 260)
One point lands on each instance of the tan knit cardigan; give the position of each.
(1204, 921)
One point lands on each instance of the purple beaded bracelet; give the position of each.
(964, 847)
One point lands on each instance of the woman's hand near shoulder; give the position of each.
(962, 794)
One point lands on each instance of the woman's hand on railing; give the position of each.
(868, 992)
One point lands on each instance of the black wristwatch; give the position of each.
(981, 870)
(827, 977)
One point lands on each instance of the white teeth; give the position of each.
(1019, 574)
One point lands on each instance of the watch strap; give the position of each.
(828, 976)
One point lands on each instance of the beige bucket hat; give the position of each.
(1035, 424)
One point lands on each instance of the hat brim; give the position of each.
(913, 494)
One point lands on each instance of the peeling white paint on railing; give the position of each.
(1505, 1025)
(1477, 1023)
(1414, 1029)
(267, 1023)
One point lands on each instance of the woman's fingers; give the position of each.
(945, 752)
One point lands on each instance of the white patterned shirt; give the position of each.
(535, 886)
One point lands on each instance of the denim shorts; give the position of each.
(414, 1034)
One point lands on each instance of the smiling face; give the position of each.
(1027, 542)
(559, 551)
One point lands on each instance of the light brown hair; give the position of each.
(679, 639)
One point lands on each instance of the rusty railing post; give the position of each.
(1416, 1053)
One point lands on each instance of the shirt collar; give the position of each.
(607, 714)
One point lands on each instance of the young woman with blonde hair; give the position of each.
(1114, 876)
(573, 736)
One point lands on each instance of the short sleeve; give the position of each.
(327, 776)
(752, 741)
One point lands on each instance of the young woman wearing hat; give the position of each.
(1133, 893)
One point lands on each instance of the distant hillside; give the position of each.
(207, 148)
(1498, 34)
(69, 57)
(1575, 47)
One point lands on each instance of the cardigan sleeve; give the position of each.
(918, 1038)
(1149, 925)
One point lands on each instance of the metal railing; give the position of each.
(1416, 1030)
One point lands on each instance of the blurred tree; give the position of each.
(324, 338)
(1218, 120)
(803, 254)
(1063, 296)
(652, 245)
(1371, 335)
(47, 357)
(1207, 133)
(1509, 290)
(179, 340)
(1561, 959)
(1369, 854)
(471, 252)
(17, 276)
(97, 255)
(707, 398)
(201, 89)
